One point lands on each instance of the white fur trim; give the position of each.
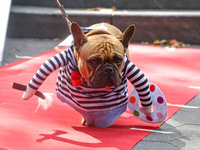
(45, 103)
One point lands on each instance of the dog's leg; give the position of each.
(85, 123)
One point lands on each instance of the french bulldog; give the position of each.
(101, 59)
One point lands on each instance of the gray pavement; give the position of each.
(184, 129)
(16, 48)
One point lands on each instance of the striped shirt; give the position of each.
(86, 97)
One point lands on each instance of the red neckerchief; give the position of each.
(77, 79)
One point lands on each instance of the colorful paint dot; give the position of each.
(132, 99)
(136, 113)
(149, 118)
(159, 115)
(160, 100)
(152, 88)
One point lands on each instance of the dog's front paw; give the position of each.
(85, 123)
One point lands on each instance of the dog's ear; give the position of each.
(126, 36)
(78, 35)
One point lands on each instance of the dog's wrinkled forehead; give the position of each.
(102, 45)
(101, 36)
(103, 39)
(105, 48)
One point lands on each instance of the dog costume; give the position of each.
(100, 107)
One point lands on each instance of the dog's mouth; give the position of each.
(106, 81)
(111, 82)
(106, 76)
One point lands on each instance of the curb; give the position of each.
(44, 22)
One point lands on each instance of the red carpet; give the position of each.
(59, 127)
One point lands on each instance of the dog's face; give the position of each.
(100, 55)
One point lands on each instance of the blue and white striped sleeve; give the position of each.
(140, 82)
(47, 68)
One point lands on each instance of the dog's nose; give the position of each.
(108, 70)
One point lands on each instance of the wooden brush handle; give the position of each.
(22, 87)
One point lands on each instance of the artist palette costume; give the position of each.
(102, 106)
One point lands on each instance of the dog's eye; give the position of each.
(94, 62)
(117, 60)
